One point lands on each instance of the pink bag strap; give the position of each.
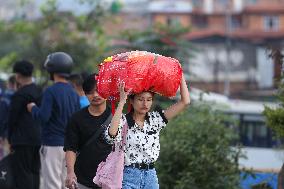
(124, 133)
(122, 143)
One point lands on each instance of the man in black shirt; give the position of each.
(81, 169)
(23, 131)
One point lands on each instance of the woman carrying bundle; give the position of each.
(142, 145)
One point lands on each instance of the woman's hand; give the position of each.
(175, 109)
(123, 94)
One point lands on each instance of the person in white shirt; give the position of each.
(142, 146)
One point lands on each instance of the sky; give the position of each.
(70, 5)
(78, 8)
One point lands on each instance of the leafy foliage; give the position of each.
(275, 116)
(196, 152)
(275, 120)
(81, 36)
(161, 39)
(262, 186)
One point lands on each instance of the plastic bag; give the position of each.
(141, 71)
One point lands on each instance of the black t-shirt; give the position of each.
(4, 110)
(80, 129)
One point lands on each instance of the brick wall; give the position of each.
(236, 88)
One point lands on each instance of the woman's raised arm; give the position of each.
(118, 113)
(184, 101)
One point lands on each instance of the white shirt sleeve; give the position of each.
(111, 140)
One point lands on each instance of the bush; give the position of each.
(196, 152)
(262, 186)
(275, 119)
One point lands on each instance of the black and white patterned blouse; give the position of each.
(142, 144)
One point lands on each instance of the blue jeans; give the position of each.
(134, 178)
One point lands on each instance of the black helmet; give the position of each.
(60, 63)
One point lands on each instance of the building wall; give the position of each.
(127, 21)
(217, 22)
(265, 68)
(10, 10)
(159, 18)
(270, 1)
(211, 60)
(209, 63)
(183, 19)
(236, 88)
(254, 22)
(281, 22)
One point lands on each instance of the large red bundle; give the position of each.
(164, 76)
(141, 71)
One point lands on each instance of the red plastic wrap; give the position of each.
(141, 71)
(165, 76)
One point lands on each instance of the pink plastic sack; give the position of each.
(110, 172)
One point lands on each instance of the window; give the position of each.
(173, 21)
(252, 130)
(251, 2)
(271, 23)
(256, 134)
(197, 3)
(221, 5)
(199, 21)
(222, 2)
(236, 22)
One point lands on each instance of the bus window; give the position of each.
(253, 131)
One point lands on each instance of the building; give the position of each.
(232, 37)
(10, 10)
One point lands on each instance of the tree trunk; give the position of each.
(280, 184)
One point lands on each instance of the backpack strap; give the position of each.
(96, 135)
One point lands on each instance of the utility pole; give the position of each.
(228, 17)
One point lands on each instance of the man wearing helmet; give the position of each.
(59, 102)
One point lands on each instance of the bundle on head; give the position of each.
(141, 71)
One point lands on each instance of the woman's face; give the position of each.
(142, 102)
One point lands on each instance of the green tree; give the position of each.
(160, 39)
(275, 116)
(82, 36)
(196, 152)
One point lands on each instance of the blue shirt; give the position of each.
(84, 101)
(7, 95)
(59, 102)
